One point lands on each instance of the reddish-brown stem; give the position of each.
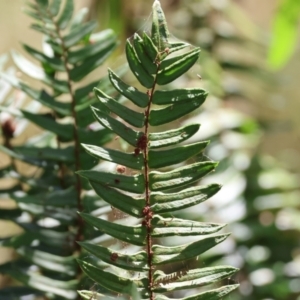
(147, 211)
(148, 214)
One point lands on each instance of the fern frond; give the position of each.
(157, 184)
(49, 194)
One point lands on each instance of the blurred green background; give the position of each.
(250, 65)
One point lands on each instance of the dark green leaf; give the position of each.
(177, 67)
(135, 235)
(65, 216)
(192, 278)
(165, 255)
(47, 153)
(136, 67)
(180, 177)
(162, 97)
(41, 28)
(58, 198)
(216, 294)
(167, 62)
(63, 264)
(123, 202)
(15, 155)
(92, 202)
(109, 280)
(164, 158)
(53, 62)
(44, 98)
(180, 227)
(159, 32)
(130, 92)
(63, 131)
(85, 118)
(87, 135)
(44, 284)
(132, 117)
(106, 41)
(23, 239)
(18, 292)
(56, 45)
(41, 96)
(171, 137)
(59, 86)
(91, 63)
(176, 46)
(134, 183)
(130, 160)
(173, 112)
(10, 214)
(86, 162)
(126, 133)
(148, 64)
(85, 97)
(163, 203)
(65, 289)
(134, 262)
(52, 237)
(150, 48)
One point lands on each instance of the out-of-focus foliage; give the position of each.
(285, 33)
(259, 201)
(38, 183)
(260, 198)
